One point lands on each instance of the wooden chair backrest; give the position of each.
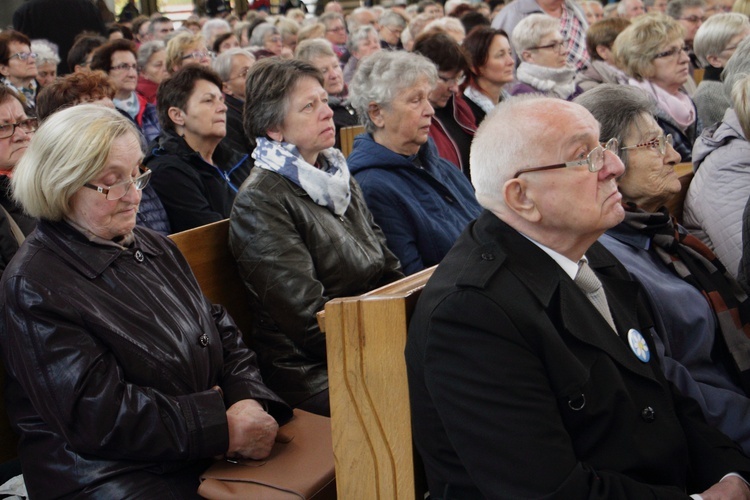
(676, 204)
(206, 248)
(698, 74)
(370, 412)
(347, 135)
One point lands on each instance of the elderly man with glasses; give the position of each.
(532, 369)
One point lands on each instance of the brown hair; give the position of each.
(604, 32)
(72, 89)
(102, 59)
(174, 92)
(6, 38)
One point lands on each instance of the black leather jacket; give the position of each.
(294, 256)
(112, 355)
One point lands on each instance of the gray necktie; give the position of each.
(592, 287)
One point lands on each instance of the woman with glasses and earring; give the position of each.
(701, 314)
(544, 68)
(18, 67)
(187, 48)
(653, 54)
(16, 130)
(123, 380)
(118, 59)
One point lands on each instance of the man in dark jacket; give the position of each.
(532, 369)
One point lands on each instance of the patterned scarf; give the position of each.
(695, 263)
(328, 187)
(573, 32)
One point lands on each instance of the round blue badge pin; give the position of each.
(638, 345)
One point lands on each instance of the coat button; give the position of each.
(138, 256)
(203, 340)
(488, 256)
(648, 414)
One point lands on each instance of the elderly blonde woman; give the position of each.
(700, 311)
(300, 229)
(361, 43)
(715, 42)
(187, 48)
(421, 201)
(544, 68)
(46, 61)
(319, 52)
(653, 54)
(721, 157)
(124, 381)
(152, 68)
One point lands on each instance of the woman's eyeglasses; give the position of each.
(660, 143)
(28, 125)
(117, 191)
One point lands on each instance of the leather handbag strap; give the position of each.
(17, 233)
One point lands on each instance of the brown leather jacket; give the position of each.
(294, 256)
(112, 356)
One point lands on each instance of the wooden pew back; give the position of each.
(370, 412)
(206, 249)
(347, 135)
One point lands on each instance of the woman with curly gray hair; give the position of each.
(300, 229)
(421, 201)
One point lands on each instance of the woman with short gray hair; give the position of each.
(266, 36)
(152, 68)
(721, 159)
(712, 313)
(392, 25)
(544, 68)
(47, 60)
(421, 201)
(361, 43)
(715, 42)
(300, 229)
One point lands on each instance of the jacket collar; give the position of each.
(367, 153)
(544, 278)
(630, 236)
(88, 258)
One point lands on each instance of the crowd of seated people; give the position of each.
(221, 117)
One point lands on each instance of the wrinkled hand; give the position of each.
(252, 431)
(729, 488)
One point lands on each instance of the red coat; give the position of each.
(447, 147)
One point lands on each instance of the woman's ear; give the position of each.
(527, 56)
(376, 115)
(176, 115)
(275, 134)
(520, 200)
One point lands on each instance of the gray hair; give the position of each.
(393, 19)
(69, 149)
(46, 52)
(715, 34)
(223, 62)
(260, 32)
(737, 67)
(618, 109)
(352, 22)
(741, 103)
(530, 31)
(212, 26)
(443, 23)
(313, 48)
(675, 7)
(360, 35)
(147, 50)
(383, 75)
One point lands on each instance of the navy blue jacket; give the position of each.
(421, 210)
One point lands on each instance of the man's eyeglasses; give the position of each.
(594, 160)
(199, 55)
(456, 80)
(660, 143)
(674, 51)
(556, 46)
(117, 191)
(124, 67)
(23, 55)
(28, 125)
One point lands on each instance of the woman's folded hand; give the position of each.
(252, 431)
